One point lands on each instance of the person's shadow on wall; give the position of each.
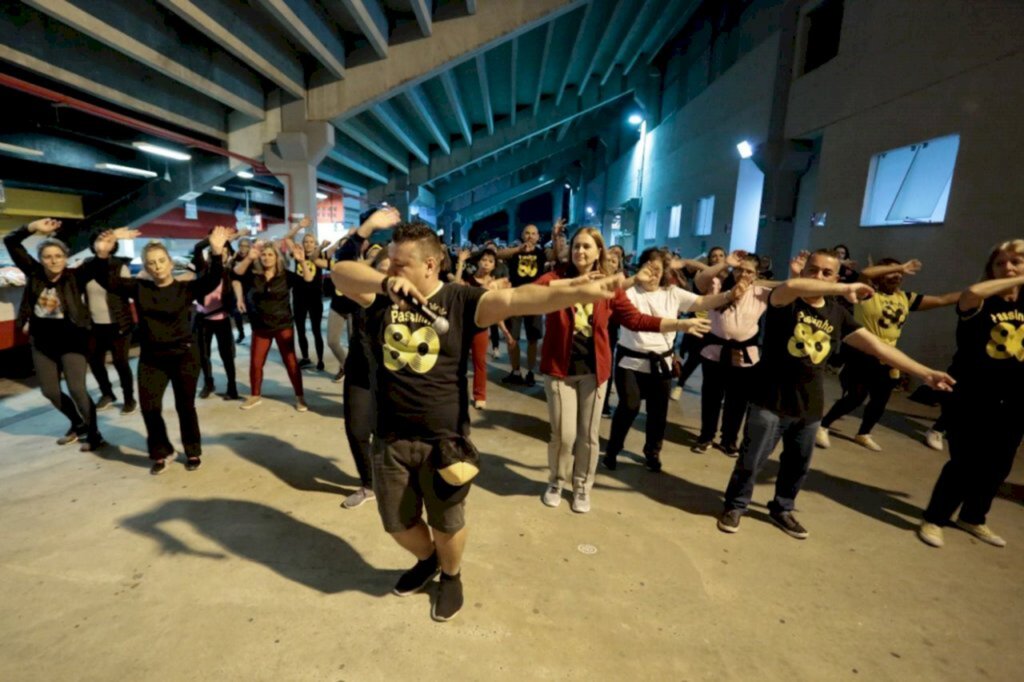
(294, 550)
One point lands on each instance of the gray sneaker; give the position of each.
(358, 498)
(552, 497)
(788, 523)
(580, 503)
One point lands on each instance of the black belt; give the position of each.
(731, 345)
(657, 366)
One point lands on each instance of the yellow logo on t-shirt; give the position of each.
(527, 266)
(1006, 341)
(583, 319)
(808, 342)
(417, 350)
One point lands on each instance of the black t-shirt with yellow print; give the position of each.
(420, 375)
(582, 361)
(989, 361)
(525, 268)
(799, 338)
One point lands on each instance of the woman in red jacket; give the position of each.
(577, 360)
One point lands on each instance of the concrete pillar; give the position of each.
(513, 227)
(294, 156)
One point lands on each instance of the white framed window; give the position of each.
(703, 216)
(675, 219)
(910, 185)
(650, 226)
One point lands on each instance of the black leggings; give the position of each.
(314, 308)
(206, 331)
(181, 371)
(862, 377)
(107, 337)
(983, 441)
(78, 408)
(360, 420)
(634, 387)
(728, 383)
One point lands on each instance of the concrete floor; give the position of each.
(248, 569)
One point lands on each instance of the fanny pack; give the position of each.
(457, 460)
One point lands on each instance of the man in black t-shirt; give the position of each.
(803, 326)
(526, 263)
(422, 453)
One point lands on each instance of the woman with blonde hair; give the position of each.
(577, 358)
(983, 414)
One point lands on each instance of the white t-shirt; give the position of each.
(664, 302)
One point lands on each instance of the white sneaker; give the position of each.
(933, 439)
(580, 503)
(251, 402)
(300, 405)
(865, 440)
(821, 438)
(480, 404)
(358, 498)
(930, 534)
(982, 532)
(677, 393)
(552, 497)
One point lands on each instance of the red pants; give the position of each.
(261, 339)
(481, 342)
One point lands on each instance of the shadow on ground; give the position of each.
(294, 550)
(296, 467)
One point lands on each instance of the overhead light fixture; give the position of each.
(321, 196)
(636, 119)
(245, 175)
(162, 151)
(568, 186)
(218, 188)
(745, 149)
(18, 149)
(590, 210)
(127, 170)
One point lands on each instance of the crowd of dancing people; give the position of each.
(418, 315)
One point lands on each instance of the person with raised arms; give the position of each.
(803, 325)
(423, 456)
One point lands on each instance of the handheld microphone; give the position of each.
(439, 323)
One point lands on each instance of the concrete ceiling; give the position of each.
(440, 94)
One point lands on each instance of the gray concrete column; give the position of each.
(294, 155)
(513, 227)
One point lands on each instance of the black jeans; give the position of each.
(206, 331)
(107, 337)
(691, 348)
(731, 384)
(181, 371)
(360, 421)
(634, 387)
(78, 407)
(862, 377)
(314, 308)
(983, 440)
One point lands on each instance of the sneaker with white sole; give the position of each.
(580, 503)
(300, 405)
(933, 439)
(821, 438)
(982, 532)
(729, 521)
(251, 402)
(677, 393)
(930, 534)
(865, 440)
(552, 496)
(789, 525)
(358, 498)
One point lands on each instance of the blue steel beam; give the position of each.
(425, 110)
(485, 92)
(680, 22)
(638, 26)
(682, 10)
(513, 95)
(362, 133)
(339, 175)
(549, 33)
(451, 89)
(389, 117)
(580, 32)
(424, 16)
(355, 157)
(615, 21)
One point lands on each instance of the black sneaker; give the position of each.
(512, 379)
(206, 392)
(788, 523)
(105, 402)
(68, 438)
(729, 521)
(417, 577)
(701, 447)
(606, 413)
(730, 450)
(609, 462)
(449, 598)
(653, 463)
(231, 395)
(529, 380)
(305, 362)
(193, 463)
(129, 407)
(160, 465)
(93, 444)
(320, 366)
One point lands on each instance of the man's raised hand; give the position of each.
(384, 218)
(44, 226)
